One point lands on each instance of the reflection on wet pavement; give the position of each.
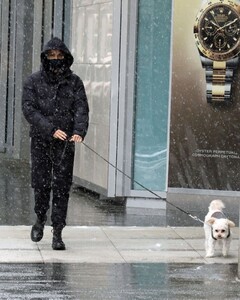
(118, 281)
(15, 193)
(85, 208)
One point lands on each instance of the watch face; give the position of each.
(217, 30)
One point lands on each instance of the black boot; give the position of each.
(57, 243)
(37, 229)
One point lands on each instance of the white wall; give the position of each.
(91, 44)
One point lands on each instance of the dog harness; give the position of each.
(219, 215)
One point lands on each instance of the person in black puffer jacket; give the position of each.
(55, 105)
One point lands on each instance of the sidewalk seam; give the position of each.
(39, 250)
(203, 257)
(113, 245)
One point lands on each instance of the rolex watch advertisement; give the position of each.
(216, 32)
(205, 95)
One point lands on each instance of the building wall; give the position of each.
(104, 38)
(16, 20)
(91, 45)
(25, 27)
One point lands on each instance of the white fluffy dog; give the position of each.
(217, 229)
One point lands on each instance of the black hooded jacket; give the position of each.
(55, 102)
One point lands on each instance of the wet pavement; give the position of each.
(113, 252)
(112, 244)
(118, 281)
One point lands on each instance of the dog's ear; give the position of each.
(231, 223)
(211, 221)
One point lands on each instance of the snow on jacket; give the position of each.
(49, 104)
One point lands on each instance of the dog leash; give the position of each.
(62, 155)
(144, 187)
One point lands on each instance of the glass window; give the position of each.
(152, 94)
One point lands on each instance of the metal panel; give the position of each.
(48, 14)
(67, 22)
(122, 98)
(114, 96)
(11, 77)
(58, 18)
(120, 154)
(170, 97)
(126, 96)
(129, 106)
(37, 34)
(4, 70)
(20, 138)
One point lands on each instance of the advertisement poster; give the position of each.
(204, 137)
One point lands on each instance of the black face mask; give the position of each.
(55, 66)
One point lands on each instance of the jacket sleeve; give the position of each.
(32, 112)
(81, 110)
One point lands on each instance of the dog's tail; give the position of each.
(216, 205)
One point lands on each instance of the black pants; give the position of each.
(52, 170)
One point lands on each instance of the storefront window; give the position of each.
(152, 94)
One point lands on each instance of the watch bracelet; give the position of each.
(219, 77)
